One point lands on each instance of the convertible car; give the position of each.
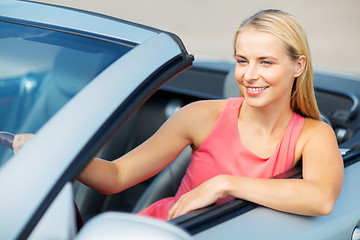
(91, 85)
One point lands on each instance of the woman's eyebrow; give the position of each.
(239, 56)
(268, 57)
(259, 58)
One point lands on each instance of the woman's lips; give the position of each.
(254, 91)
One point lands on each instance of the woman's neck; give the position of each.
(267, 119)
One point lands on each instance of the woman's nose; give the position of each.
(251, 73)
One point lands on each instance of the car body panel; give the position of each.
(60, 211)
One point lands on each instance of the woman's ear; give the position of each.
(300, 66)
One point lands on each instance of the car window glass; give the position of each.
(41, 70)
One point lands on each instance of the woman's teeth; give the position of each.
(256, 89)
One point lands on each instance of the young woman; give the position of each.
(240, 143)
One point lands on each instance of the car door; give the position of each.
(72, 79)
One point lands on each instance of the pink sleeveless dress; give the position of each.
(222, 152)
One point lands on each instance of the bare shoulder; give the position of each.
(202, 113)
(317, 138)
(317, 129)
(314, 136)
(199, 118)
(205, 108)
(194, 116)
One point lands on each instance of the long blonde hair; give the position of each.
(288, 29)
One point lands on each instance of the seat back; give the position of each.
(167, 182)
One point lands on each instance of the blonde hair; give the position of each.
(288, 29)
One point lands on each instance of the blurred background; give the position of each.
(207, 26)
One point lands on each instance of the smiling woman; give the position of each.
(243, 142)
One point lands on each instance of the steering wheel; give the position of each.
(7, 139)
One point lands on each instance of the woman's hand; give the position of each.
(204, 195)
(20, 140)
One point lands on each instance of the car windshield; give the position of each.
(41, 70)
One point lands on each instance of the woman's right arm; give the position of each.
(139, 164)
(150, 157)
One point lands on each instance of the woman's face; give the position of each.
(264, 70)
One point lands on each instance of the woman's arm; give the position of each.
(315, 194)
(139, 164)
(143, 162)
(188, 126)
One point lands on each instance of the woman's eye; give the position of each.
(241, 61)
(266, 62)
